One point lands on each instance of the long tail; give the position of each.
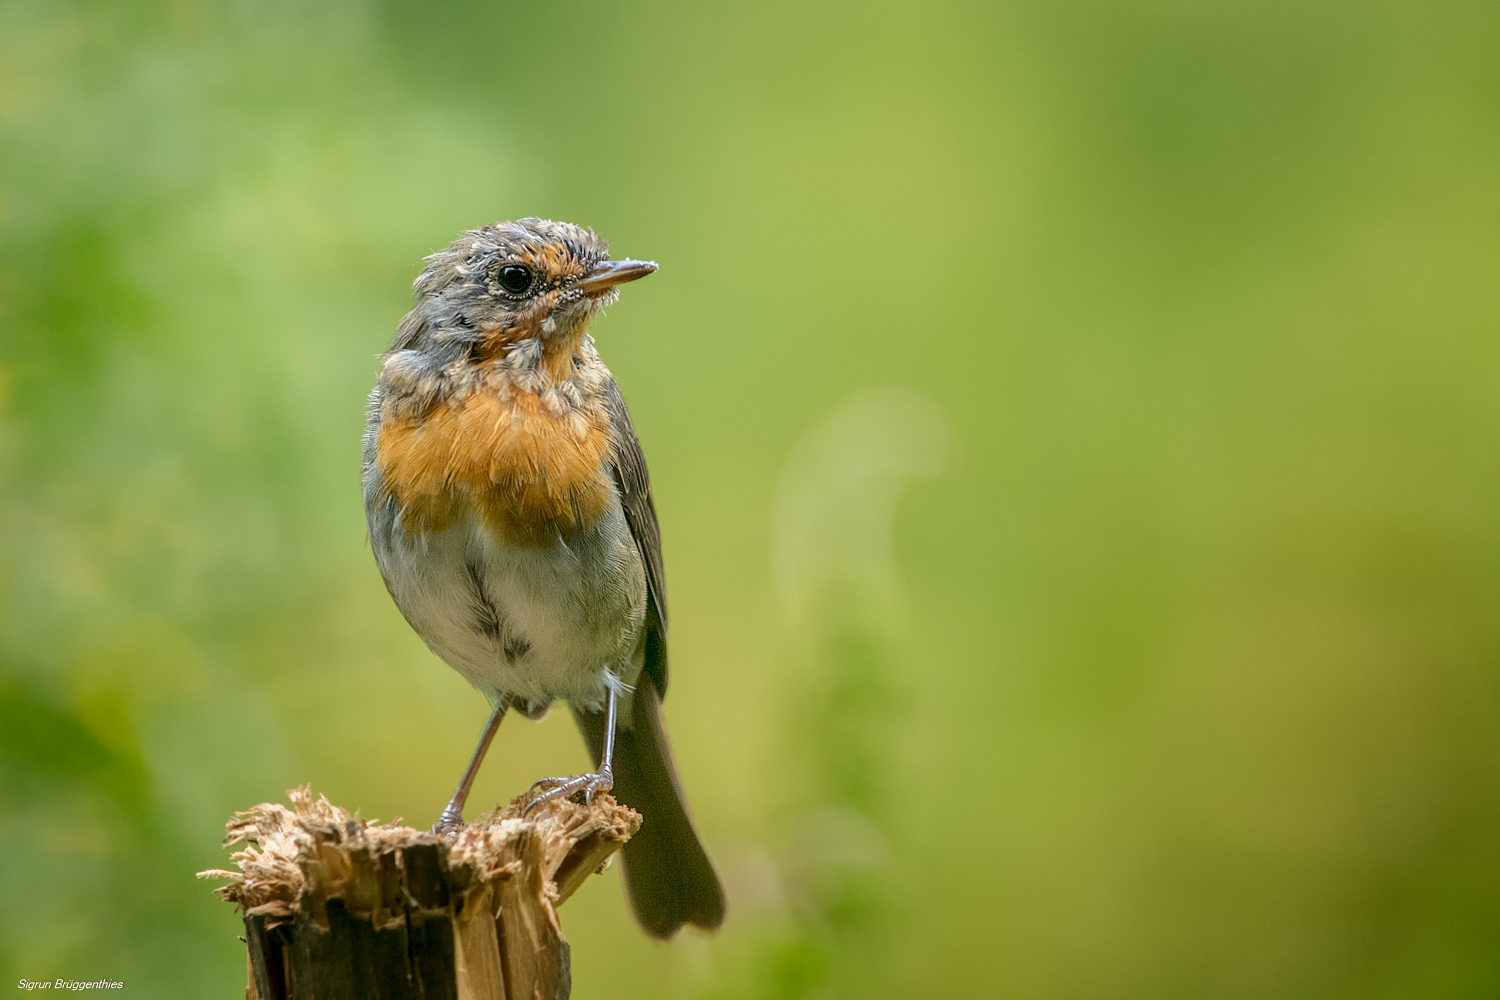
(668, 875)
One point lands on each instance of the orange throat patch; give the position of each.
(531, 466)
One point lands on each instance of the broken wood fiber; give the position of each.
(337, 908)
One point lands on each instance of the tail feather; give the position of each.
(668, 875)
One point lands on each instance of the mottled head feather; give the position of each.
(465, 312)
(560, 251)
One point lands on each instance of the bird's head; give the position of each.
(531, 279)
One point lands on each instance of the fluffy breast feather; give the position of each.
(534, 464)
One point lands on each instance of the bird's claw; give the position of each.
(558, 788)
(450, 822)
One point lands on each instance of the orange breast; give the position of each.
(531, 473)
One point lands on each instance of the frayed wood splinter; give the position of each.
(339, 907)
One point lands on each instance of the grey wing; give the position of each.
(634, 484)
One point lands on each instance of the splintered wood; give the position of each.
(336, 907)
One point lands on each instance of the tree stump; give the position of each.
(337, 908)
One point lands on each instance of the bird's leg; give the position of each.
(452, 819)
(590, 785)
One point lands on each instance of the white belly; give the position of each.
(536, 623)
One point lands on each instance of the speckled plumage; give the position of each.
(511, 516)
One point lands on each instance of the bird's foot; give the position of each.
(450, 822)
(559, 788)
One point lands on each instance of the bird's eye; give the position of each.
(515, 279)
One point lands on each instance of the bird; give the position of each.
(511, 517)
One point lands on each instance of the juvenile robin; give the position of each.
(511, 516)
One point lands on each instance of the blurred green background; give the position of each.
(1074, 427)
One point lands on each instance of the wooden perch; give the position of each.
(337, 908)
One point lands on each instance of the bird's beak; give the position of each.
(609, 273)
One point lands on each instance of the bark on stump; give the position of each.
(337, 908)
